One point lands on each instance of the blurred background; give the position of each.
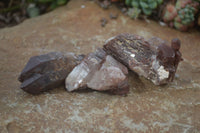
(179, 14)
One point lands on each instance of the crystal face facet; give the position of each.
(99, 71)
(47, 71)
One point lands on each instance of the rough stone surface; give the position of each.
(172, 108)
(100, 72)
(48, 71)
(155, 62)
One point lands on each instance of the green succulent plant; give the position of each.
(33, 11)
(186, 14)
(182, 14)
(147, 6)
(170, 13)
(50, 4)
(134, 12)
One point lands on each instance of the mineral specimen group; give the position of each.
(105, 69)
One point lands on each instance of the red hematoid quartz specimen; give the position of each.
(48, 71)
(99, 71)
(105, 69)
(152, 59)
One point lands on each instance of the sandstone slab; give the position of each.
(147, 108)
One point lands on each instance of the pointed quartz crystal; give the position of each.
(100, 72)
(47, 71)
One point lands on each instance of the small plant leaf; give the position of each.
(61, 2)
(33, 12)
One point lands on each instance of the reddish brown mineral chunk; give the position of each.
(154, 59)
(99, 71)
(47, 71)
(109, 75)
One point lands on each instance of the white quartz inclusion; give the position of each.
(110, 39)
(163, 74)
(77, 74)
(133, 55)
